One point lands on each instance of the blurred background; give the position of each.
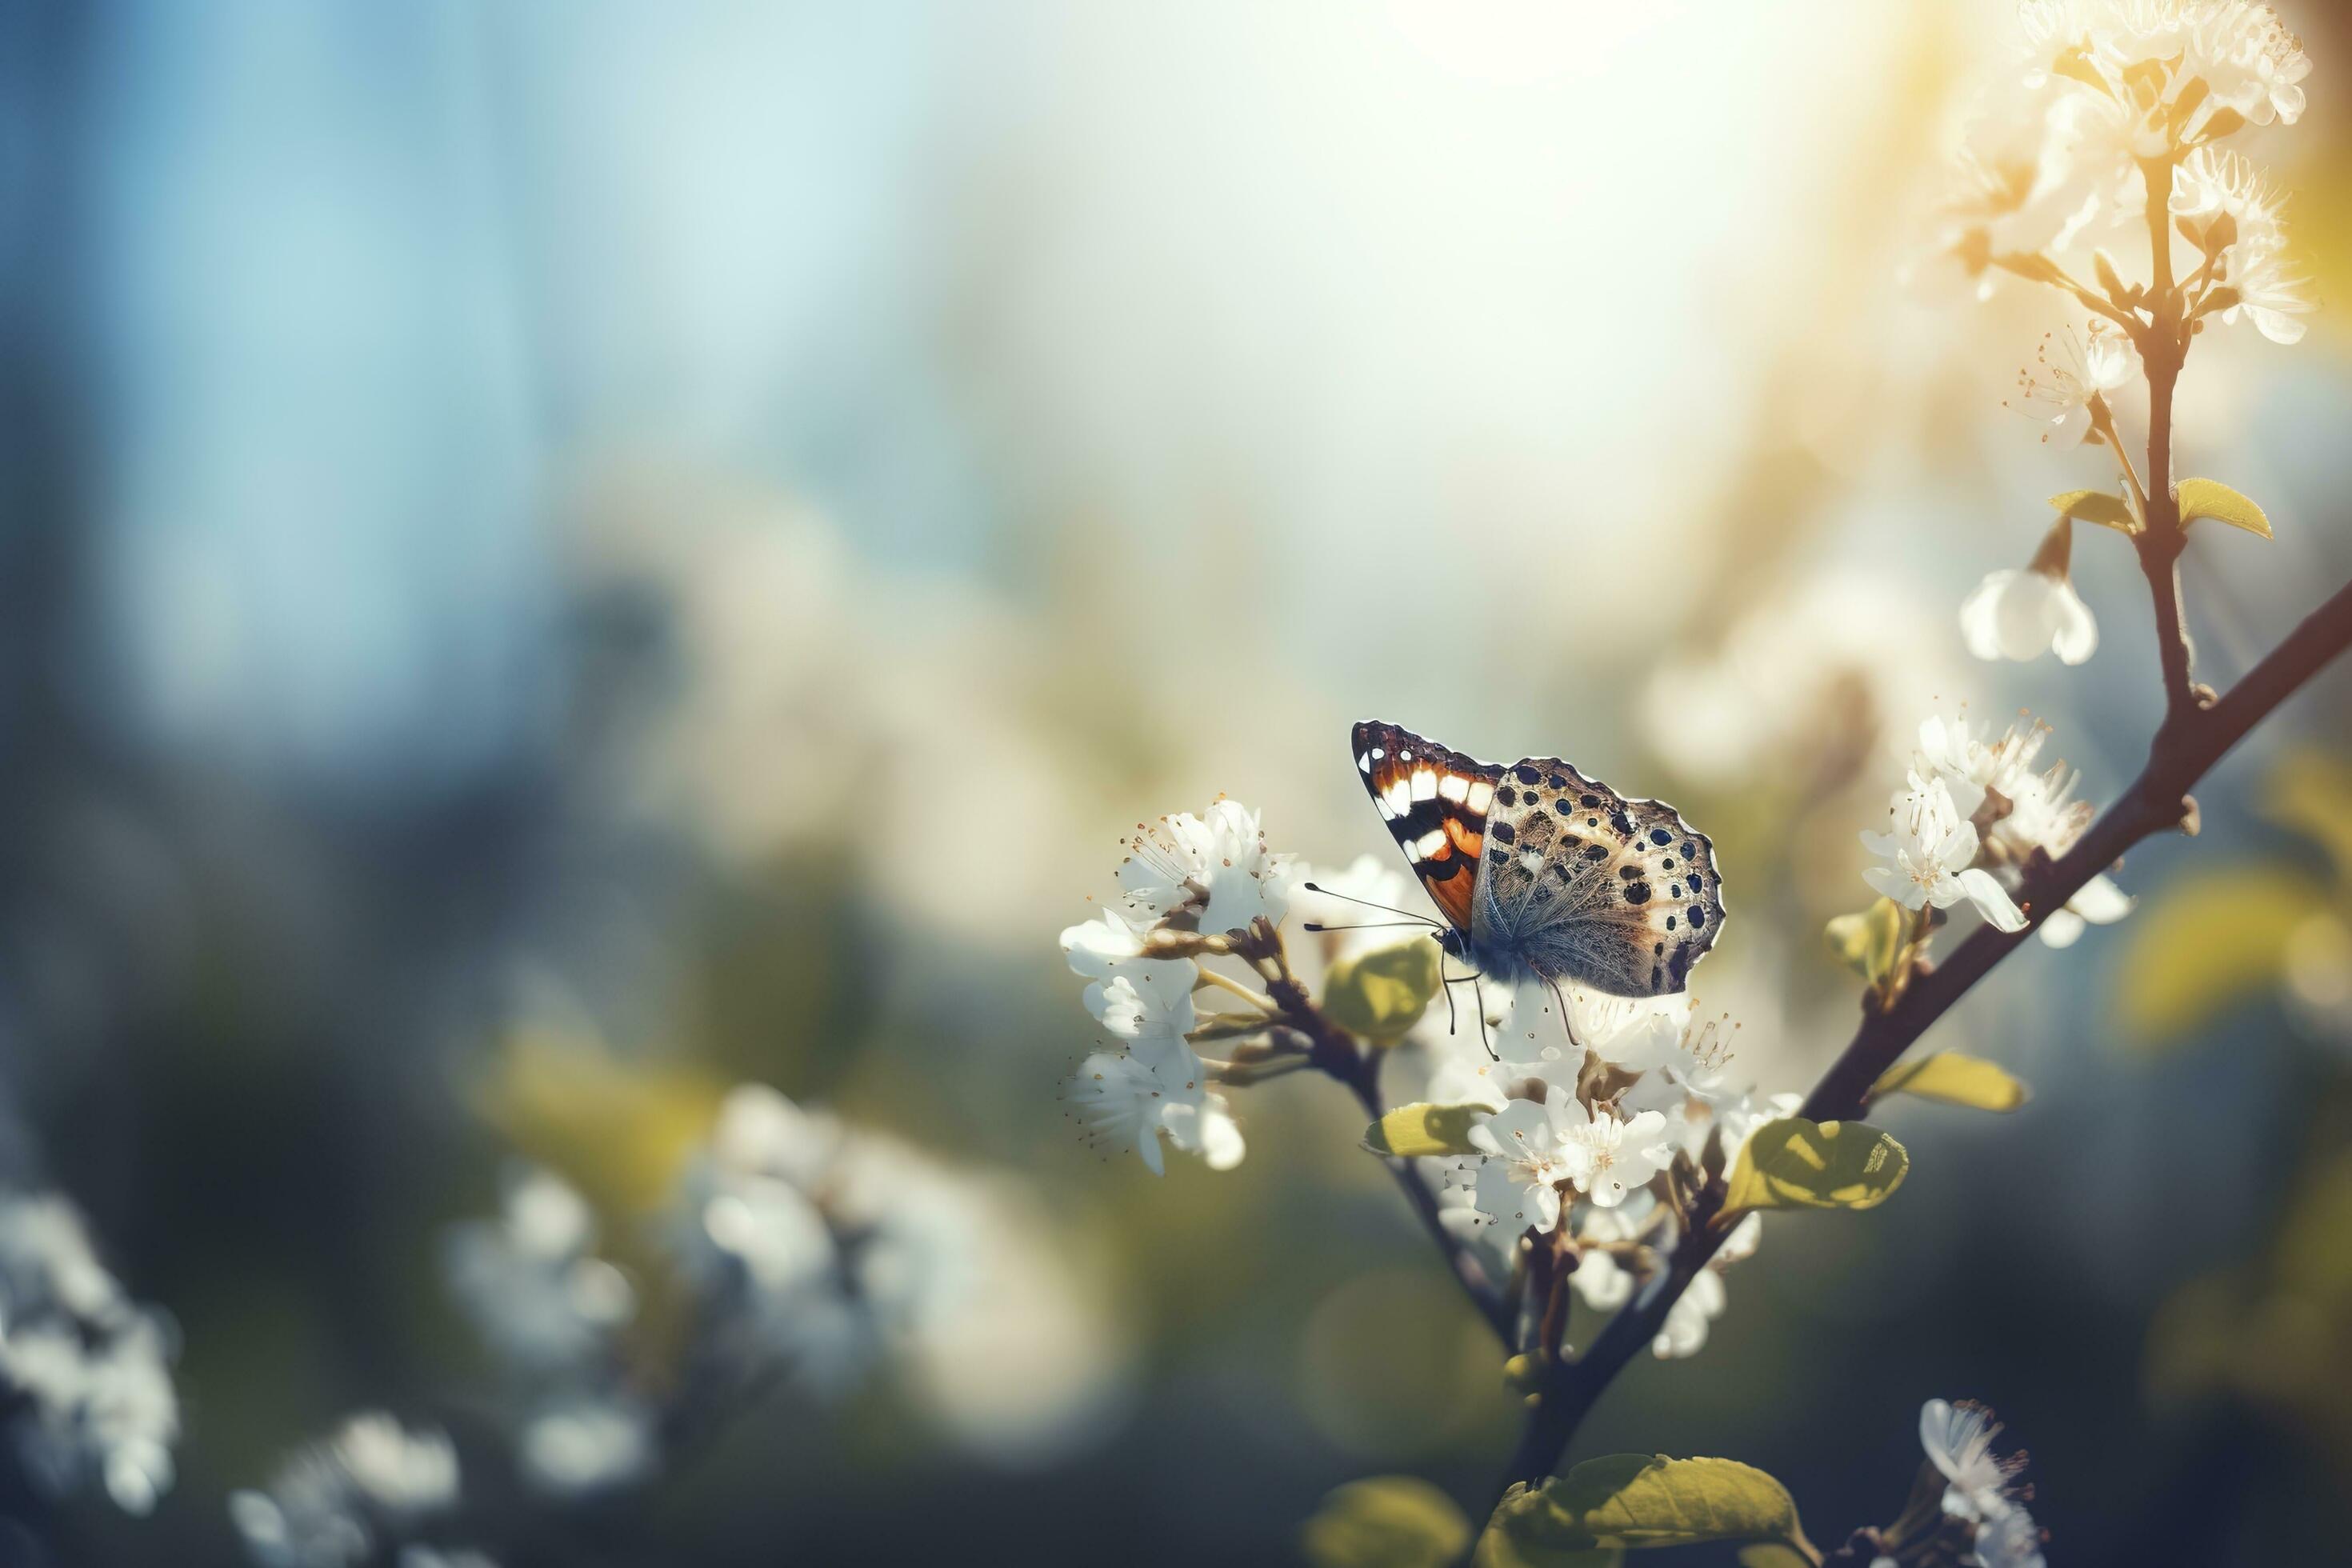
(562, 557)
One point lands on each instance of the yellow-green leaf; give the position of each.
(1385, 1521)
(1497, 1549)
(2209, 939)
(1793, 1163)
(2311, 792)
(2210, 497)
(2096, 506)
(1421, 1129)
(1955, 1080)
(1867, 942)
(1382, 994)
(1644, 1500)
(1774, 1554)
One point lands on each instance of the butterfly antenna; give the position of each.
(1347, 898)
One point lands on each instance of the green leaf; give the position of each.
(1774, 1554)
(1867, 942)
(2210, 497)
(1793, 1163)
(1955, 1080)
(2096, 506)
(1385, 1521)
(1382, 994)
(1642, 1500)
(1421, 1129)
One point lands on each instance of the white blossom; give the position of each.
(1957, 1439)
(1602, 1282)
(85, 1372)
(1524, 1160)
(2062, 393)
(1931, 855)
(1211, 874)
(1685, 1332)
(1972, 768)
(1631, 1032)
(530, 1280)
(1156, 1089)
(2212, 183)
(2042, 815)
(335, 1503)
(1606, 1157)
(2024, 613)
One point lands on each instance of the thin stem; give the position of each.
(1257, 999)
(2102, 420)
(2183, 750)
(2162, 346)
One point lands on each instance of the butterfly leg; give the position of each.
(1567, 1024)
(1446, 983)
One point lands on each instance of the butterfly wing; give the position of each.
(1434, 802)
(1583, 884)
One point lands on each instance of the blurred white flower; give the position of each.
(2211, 185)
(1931, 856)
(1806, 662)
(2023, 615)
(2060, 393)
(337, 1502)
(2018, 189)
(2099, 903)
(85, 1372)
(580, 1445)
(1633, 1033)
(1957, 1439)
(1156, 1089)
(832, 1251)
(530, 1280)
(1741, 1243)
(1211, 874)
(1685, 1332)
(2011, 1540)
(2255, 65)
(1603, 1283)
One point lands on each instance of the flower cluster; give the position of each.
(372, 1487)
(553, 1311)
(2106, 98)
(87, 1371)
(1970, 817)
(1187, 885)
(1597, 1150)
(2117, 117)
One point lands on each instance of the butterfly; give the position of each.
(1543, 874)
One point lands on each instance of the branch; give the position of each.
(1335, 1051)
(2189, 745)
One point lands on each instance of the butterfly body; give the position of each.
(1542, 873)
